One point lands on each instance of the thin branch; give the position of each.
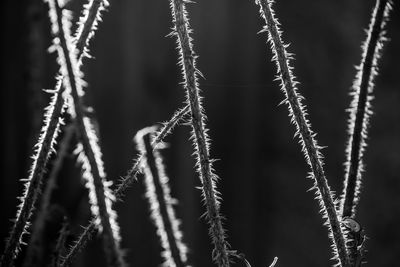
(59, 247)
(212, 198)
(130, 177)
(79, 244)
(34, 252)
(44, 147)
(309, 145)
(161, 203)
(43, 150)
(361, 108)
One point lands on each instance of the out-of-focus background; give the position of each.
(134, 82)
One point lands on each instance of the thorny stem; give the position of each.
(208, 178)
(161, 203)
(59, 248)
(79, 244)
(34, 253)
(100, 197)
(32, 187)
(360, 108)
(46, 141)
(310, 147)
(129, 178)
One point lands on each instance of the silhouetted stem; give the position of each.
(91, 155)
(310, 147)
(208, 178)
(44, 147)
(34, 253)
(360, 108)
(161, 203)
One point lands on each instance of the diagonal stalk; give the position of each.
(309, 145)
(34, 252)
(130, 177)
(43, 150)
(221, 254)
(79, 244)
(93, 171)
(360, 107)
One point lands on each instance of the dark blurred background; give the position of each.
(133, 82)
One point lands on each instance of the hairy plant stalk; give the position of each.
(43, 150)
(125, 183)
(49, 132)
(130, 177)
(360, 107)
(309, 145)
(79, 244)
(161, 203)
(34, 252)
(221, 255)
(59, 248)
(100, 195)
(88, 23)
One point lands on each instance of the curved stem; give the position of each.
(161, 203)
(360, 107)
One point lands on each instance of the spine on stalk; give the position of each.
(161, 202)
(100, 195)
(309, 145)
(47, 139)
(125, 183)
(361, 108)
(187, 60)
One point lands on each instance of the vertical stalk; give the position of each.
(161, 203)
(360, 107)
(309, 145)
(43, 150)
(181, 29)
(34, 254)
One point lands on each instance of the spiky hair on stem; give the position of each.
(47, 139)
(79, 244)
(100, 195)
(169, 125)
(87, 25)
(361, 109)
(164, 131)
(309, 145)
(59, 247)
(90, 229)
(187, 60)
(34, 251)
(43, 150)
(161, 203)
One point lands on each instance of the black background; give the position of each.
(134, 82)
